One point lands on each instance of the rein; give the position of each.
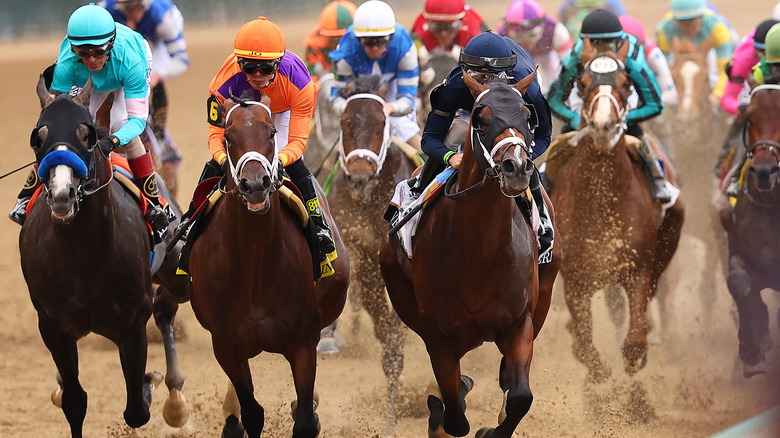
(270, 168)
(377, 159)
(604, 70)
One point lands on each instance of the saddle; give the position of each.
(210, 191)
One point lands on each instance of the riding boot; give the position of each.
(19, 213)
(157, 214)
(733, 188)
(312, 202)
(210, 170)
(546, 231)
(653, 168)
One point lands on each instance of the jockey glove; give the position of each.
(107, 144)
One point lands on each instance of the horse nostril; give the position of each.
(243, 185)
(266, 182)
(508, 167)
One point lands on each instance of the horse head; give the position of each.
(762, 137)
(501, 132)
(250, 143)
(604, 87)
(691, 77)
(433, 71)
(64, 141)
(365, 133)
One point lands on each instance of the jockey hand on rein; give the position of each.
(108, 143)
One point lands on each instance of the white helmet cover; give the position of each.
(374, 18)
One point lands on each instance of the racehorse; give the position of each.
(324, 133)
(86, 257)
(433, 71)
(370, 166)
(613, 233)
(690, 73)
(252, 272)
(473, 276)
(753, 256)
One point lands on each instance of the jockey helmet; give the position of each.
(590, 3)
(772, 42)
(259, 39)
(633, 26)
(131, 3)
(687, 9)
(444, 10)
(91, 25)
(336, 17)
(488, 52)
(523, 12)
(374, 18)
(601, 24)
(759, 38)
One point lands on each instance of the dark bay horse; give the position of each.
(253, 283)
(474, 277)
(753, 252)
(86, 257)
(370, 166)
(613, 232)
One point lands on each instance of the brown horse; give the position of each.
(751, 227)
(253, 282)
(690, 73)
(613, 233)
(473, 277)
(85, 255)
(370, 166)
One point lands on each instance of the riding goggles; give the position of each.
(481, 63)
(86, 51)
(372, 41)
(487, 76)
(443, 26)
(527, 31)
(249, 66)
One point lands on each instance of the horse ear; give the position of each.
(675, 44)
(704, 47)
(474, 86)
(588, 51)
(265, 100)
(752, 82)
(43, 94)
(523, 84)
(382, 91)
(622, 52)
(86, 92)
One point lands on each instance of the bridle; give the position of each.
(271, 166)
(377, 159)
(750, 148)
(604, 70)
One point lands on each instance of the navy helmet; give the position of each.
(488, 52)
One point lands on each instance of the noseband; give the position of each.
(270, 167)
(367, 154)
(604, 70)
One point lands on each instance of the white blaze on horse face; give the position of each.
(61, 177)
(689, 70)
(602, 115)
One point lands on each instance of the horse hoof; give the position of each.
(56, 397)
(294, 406)
(175, 412)
(153, 379)
(232, 428)
(601, 374)
(328, 345)
(466, 384)
(485, 432)
(753, 370)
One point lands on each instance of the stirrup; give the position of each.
(325, 239)
(662, 193)
(733, 189)
(18, 214)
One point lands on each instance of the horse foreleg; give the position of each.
(639, 292)
(237, 370)
(303, 363)
(446, 368)
(517, 349)
(175, 410)
(66, 357)
(581, 329)
(132, 346)
(753, 316)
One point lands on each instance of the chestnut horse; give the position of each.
(370, 166)
(613, 232)
(751, 227)
(86, 256)
(473, 276)
(253, 283)
(690, 73)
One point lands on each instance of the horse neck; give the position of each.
(486, 198)
(238, 221)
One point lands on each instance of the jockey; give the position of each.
(735, 96)
(487, 57)
(572, 12)
(260, 65)
(547, 40)
(444, 26)
(606, 35)
(117, 59)
(654, 57)
(335, 18)
(766, 71)
(377, 44)
(694, 21)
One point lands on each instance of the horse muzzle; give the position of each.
(255, 193)
(766, 177)
(516, 175)
(63, 203)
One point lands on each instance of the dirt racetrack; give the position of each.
(686, 389)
